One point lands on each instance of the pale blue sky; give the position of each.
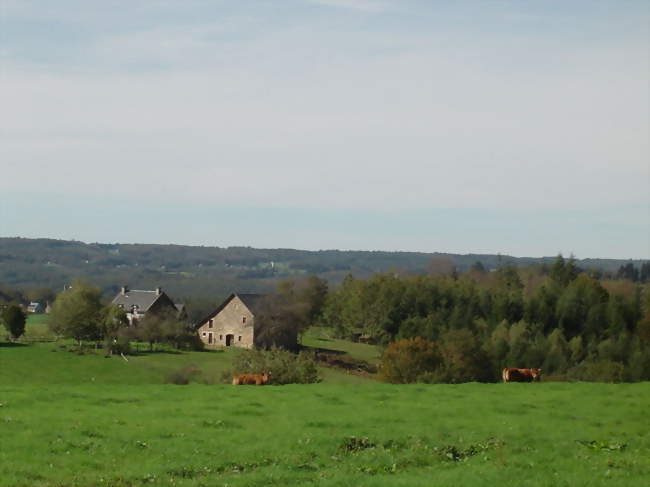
(488, 126)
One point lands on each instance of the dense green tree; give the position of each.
(541, 306)
(13, 318)
(113, 319)
(150, 329)
(558, 355)
(463, 359)
(77, 312)
(507, 297)
(300, 301)
(574, 304)
(279, 321)
(498, 347)
(577, 350)
(564, 271)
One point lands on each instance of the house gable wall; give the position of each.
(229, 321)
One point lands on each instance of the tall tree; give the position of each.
(76, 312)
(13, 318)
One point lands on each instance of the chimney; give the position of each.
(125, 289)
(158, 291)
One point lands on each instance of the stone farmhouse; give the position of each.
(137, 303)
(238, 322)
(232, 324)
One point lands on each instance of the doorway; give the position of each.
(210, 338)
(229, 340)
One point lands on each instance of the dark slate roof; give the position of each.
(143, 299)
(253, 301)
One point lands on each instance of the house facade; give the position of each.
(232, 324)
(137, 303)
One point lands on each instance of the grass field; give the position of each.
(198, 435)
(70, 420)
(36, 327)
(47, 363)
(317, 337)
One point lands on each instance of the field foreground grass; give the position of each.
(551, 434)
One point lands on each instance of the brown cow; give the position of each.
(251, 379)
(511, 374)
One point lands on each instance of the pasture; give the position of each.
(548, 434)
(69, 420)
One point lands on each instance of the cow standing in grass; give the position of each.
(251, 379)
(511, 374)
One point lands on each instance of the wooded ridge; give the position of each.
(217, 271)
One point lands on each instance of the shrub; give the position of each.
(409, 360)
(463, 359)
(183, 376)
(601, 371)
(285, 367)
(119, 345)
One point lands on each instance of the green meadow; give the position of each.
(84, 420)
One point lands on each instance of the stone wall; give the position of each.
(232, 326)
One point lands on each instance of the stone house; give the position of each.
(137, 303)
(232, 324)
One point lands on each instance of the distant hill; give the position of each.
(215, 271)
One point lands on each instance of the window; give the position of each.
(239, 339)
(210, 323)
(203, 333)
(221, 337)
(243, 319)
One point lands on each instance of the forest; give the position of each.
(572, 324)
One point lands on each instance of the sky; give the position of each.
(509, 127)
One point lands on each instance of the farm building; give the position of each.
(137, 303)
(236, 323)
(35, 307)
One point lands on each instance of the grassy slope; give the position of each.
(320, 338)
(222, 435)
(46, 363)
(68, 420)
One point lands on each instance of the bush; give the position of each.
(285, 367)
(463, 359)
(119, 345)
(410, 360)
(183, 376)
(601, 371)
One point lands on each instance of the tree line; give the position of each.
(471, 325)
